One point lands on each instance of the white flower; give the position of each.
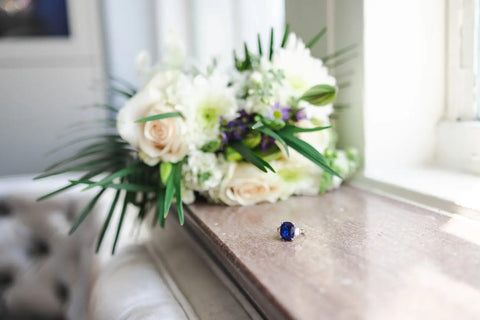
(300, 176)
(344, 165)
(188, 197)
(173, 59)
(265, 86)
(144, 68)
(174, 55)
(202, 171)
(205, 102)
(302, 71)
(159, 140)
(244, 184)
(315, 112)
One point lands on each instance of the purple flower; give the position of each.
(301, 115)
(266, 143)
(223, 137)
(239, 132)
(279, 113)
(237, 128)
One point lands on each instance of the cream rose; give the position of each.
(244, 185)
(159, 140)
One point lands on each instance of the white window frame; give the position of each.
(458, 134)
(462, 61)
(414, 166)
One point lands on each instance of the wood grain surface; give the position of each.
(363, 256)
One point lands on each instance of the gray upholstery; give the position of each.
(44, 272)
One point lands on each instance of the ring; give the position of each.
(288, 231)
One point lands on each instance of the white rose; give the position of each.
(244, 184)
(159, 140)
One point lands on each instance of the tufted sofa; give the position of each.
(47, 274)
(44, 272)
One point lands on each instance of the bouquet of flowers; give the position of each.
(258, 132)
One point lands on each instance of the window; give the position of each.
(420, 141)
(458, 135)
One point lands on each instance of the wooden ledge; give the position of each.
(363, 257)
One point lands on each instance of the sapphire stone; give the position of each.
(287, 231)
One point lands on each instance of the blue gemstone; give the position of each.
(287, 231)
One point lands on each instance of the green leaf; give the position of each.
(232, 155)
(325, 182)
(274, 135)
(211, 146)
(307, 151)
(161, 206)
(251, 157)
(86, 211)
(270, 54)
(259, 45)
(275, 124)
(79, 167)
(339, 53)
(293, 129)
(248, 61)
(48, 195)
(337, 63)
(131, 187)
(120, 223)
(165, 171)
(159, 117)
(83, 154)
(252, 139)
(102, 106)
(119, 174)
(88, 175)
(285, 35)
(80, 124)
(178, 191)
(124, 83)
(317, 37)
(319, 95)
(169, 190)
(122, 92)
(107, 220)
(106, 146)
(238, 64)
(84, 138)
(257, 125)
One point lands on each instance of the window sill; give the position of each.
(363, 256)
(457, 145)
(434, 187)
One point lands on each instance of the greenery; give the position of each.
(108, 162)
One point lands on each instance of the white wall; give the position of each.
(404, 81)
(43, 83)
(129, 28)
(220, 26)
(206, 28)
